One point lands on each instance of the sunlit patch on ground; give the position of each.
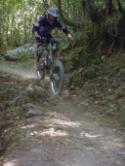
(88, 135)
(50, 132)
(29, 126)
(65, 123)
(10, 163)
(105, 143)
(58, 119)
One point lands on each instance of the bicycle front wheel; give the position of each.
(40, 71)
(57, 77)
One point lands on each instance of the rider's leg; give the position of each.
(38, 53)
(55, 47)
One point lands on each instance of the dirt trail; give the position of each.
(67, 135)
(19, 70)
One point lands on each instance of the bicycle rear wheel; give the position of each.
(57, 78)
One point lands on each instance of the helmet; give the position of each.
(53, 11)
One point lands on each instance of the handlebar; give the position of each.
(70, 41)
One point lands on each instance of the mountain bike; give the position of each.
(50, 64)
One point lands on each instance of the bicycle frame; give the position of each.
(51, 50)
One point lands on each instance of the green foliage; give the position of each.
(122, 72)
(121, 88)
(16, 19)
(79, 76)
(121, 114)
(89, 73)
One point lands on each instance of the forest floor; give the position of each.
(72, 129)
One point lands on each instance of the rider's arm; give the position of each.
(35, 30)
(36, 26)
(63, 27)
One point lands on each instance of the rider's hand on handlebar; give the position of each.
(70, 39)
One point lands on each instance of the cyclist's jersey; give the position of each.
(44, 28)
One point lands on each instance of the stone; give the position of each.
(32, 110)
(18, 53)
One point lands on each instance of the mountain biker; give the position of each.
(43, 28)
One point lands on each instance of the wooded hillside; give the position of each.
(95, 20)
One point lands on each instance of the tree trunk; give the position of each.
(109, 6)
(67, 21)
